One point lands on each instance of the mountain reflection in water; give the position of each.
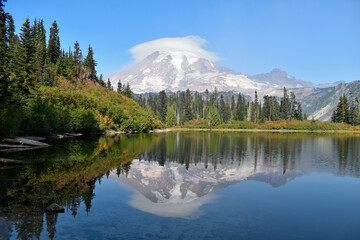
(176, 176)
(171, 175)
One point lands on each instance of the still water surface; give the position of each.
(186, 186)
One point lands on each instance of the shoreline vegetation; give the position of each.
(271, 126)
(256, 130)
(45, 90)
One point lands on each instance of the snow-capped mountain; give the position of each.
(179, 70)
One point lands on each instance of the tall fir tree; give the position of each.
(233, 106)
(170, 117)
(162, 105)
(182, 107)
(108, 84)
(23, 74)
(298, 112)
(152, 103)
(90, 63)
(4, 78)
(227, 113)
(54, 51)
(357, 111)
(127, 91)
(255, 109)
(285, 107)
(293, 105)
(188, 110)
(346, 109)
(221, 109)
(241, 108)
(119, 87)
(342, 113)
(214, 118)
(40, 46)
(78, 57)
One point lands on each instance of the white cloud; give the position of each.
(191, 44)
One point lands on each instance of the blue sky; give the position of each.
(316, 41)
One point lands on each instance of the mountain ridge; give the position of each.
(180, 70)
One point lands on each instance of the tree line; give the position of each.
(347, 111)
(45, 89)
(218, 108)
(28, 61)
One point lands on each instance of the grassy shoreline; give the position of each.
(177, 129)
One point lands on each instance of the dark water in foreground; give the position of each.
(186, 186)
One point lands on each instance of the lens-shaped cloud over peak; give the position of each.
(191, 44)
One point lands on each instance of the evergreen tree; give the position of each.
(214, 118)
(127, 91)
(162, 105)
(40, 45)
(4, 78)
(255, 109)
(214, 99)
(101, 79)
(10, 26)
(170, 117)
(342, 113)
(357, 111)
(267, 109)
(188, 110)
(23, 65)
(119, 88)
(354, 110)
(197, 106)
(108, 83)
(233, 106)
(346, 106)
(227, 113)
(221, 109)
(293, 105)
(298, 112)
(70, 65)
(90, 63)
(285, 106)
(241, 108)
(60, 67)
(152, 103)
(182, 103)
(78, 59)
(27, 45)
(54, 44)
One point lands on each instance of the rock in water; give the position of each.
(55, 208)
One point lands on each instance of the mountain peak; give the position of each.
(280, 79)
(176, 70)
(278, 71)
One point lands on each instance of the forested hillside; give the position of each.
(45, 89)
(220, 107)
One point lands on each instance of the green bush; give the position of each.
(10, 120)
(116, 114)
(40, 117)
(83, 120)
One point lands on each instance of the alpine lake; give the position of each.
(186, 185)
